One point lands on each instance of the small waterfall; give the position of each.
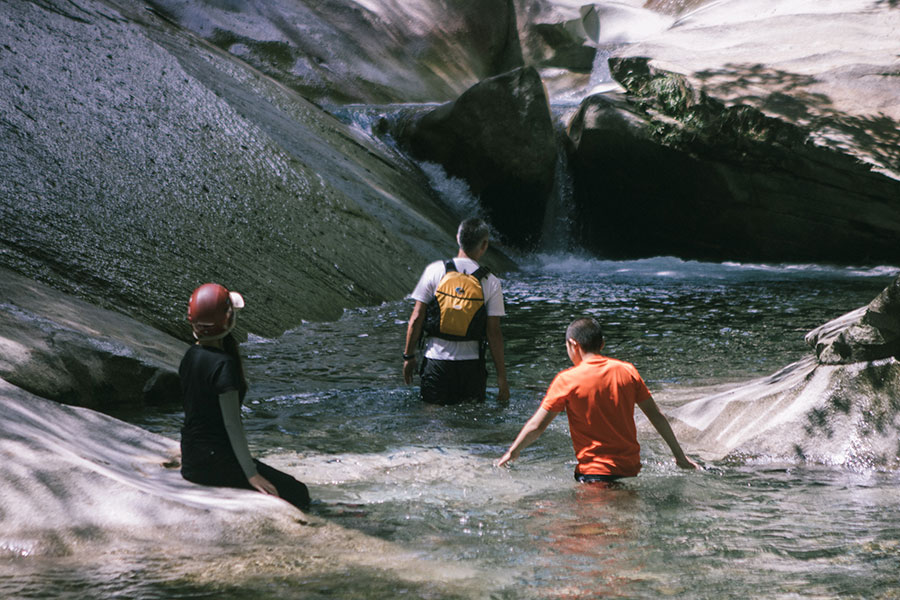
(556, 235)
(453, 191)
(601, 79)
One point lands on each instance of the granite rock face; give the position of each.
(757, 130)
(373, 52)
(711, 181)
(499, 137)
(140, 162)
(61, 348)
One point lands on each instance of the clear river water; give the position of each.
(327, 404)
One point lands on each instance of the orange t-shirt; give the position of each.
(599, 397)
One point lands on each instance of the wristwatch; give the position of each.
(408, 356)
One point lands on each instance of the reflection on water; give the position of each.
(327, 405)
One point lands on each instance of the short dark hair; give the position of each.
(471, 233)
(588, 333)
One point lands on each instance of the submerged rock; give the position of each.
(838, 409)
(499, 137)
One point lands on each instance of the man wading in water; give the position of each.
(458, 306)
(599, 395)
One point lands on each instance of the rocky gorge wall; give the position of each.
(143, 154)
(148, 147)
(140, 161)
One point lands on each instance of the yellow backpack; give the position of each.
(457, 311)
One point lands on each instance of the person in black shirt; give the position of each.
(213, 446)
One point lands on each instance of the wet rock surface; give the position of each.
(838, 406)
(88, 488)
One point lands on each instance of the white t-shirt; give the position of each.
(440, 349)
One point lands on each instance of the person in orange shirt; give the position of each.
(599, 395)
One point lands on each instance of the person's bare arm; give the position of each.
(531, 431)
(413, 333)
(661, 424)
(495, 342)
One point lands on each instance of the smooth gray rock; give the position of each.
(139, 162)
(667, 169)
(774, 130)
(61, 348)
(372, 52)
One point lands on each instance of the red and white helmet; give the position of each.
(212, 311)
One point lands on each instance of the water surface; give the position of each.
(327, 404)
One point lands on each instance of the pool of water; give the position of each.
(327, 404)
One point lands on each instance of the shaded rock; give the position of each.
(872, 332)
(498, 136)
(667, 169)
(140, 162)
(373, 52)
(64, 349)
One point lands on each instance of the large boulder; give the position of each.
(373, 52)
(869, 333)
(499, 137)
(64, 349)
(667, 169)
(835, 408)
(768, 132)
(139, 162)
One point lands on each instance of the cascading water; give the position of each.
(556, 235)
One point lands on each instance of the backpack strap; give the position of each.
(449, 266)
(481, 272)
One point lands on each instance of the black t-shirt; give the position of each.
(205, 374)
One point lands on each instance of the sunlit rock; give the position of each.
(372, 51)
(84, 487)
(498, 136)
(668, 169)
(872, 332)
(843, 408)
(772, 129)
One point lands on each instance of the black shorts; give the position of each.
(582, 478)
(453, 381)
